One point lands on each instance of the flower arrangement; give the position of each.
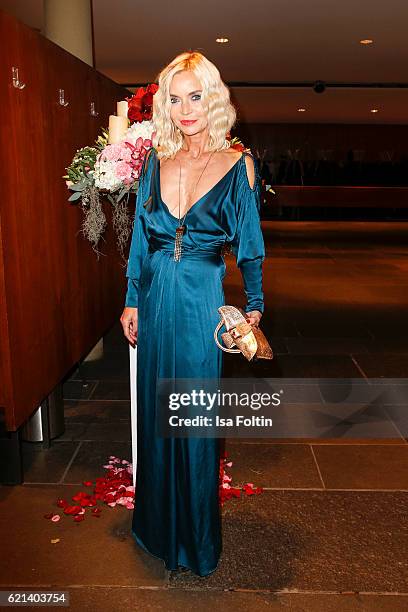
(111, 168)
(235, 143)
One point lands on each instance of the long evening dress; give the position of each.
(177, 512)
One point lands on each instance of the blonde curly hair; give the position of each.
(168, 139)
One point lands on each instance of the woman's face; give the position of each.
(187, 111)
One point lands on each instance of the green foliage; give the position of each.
(102, 140)
(83, 164)
(75, 196)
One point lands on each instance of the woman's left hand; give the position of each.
(253, 317)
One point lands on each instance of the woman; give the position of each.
(193, 180)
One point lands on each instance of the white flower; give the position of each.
(105, 176)
(137, 130)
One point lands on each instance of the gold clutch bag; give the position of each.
(249, 340)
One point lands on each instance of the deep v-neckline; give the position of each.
(202, 197)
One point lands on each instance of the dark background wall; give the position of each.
(312, 138)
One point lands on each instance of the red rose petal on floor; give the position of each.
(117, 488)
(79, 517)
(72, 509)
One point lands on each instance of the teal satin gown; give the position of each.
(177, 513)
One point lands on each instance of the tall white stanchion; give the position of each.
(133, 405)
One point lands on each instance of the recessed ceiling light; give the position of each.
(301, 110)
(222, 40)
(366, 41)
(374, 110)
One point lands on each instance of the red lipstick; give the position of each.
(188, 122)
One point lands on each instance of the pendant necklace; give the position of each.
(181, 227)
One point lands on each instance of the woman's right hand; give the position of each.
(129, 324)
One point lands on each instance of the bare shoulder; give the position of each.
(227, 159)
(231, 156)
(250, 170)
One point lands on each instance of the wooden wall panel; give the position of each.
(59, 298)
(5, 365)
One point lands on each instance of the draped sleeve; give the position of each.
(139, 244)
(248, 243)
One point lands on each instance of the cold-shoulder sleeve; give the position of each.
(139, 244)
(248, 243)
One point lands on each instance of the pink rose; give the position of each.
(123, 171)
(111, 152)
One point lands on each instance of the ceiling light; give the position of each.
(366, 41)
(374, 110)
(301, 110)
(222, 40)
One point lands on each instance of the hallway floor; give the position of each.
(329, 532)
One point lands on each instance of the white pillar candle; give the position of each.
(117, 128)
(122, 108)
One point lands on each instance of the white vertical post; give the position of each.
(133, 405)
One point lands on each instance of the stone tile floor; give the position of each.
(329, 533)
